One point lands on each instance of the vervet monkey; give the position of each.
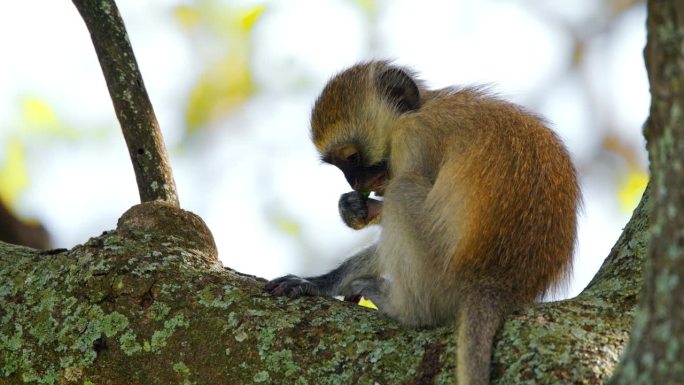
(479, 208)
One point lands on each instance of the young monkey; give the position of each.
(479, 212)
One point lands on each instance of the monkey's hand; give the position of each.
(293, 286)
(358, 211)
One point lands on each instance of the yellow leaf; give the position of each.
(286, 225)
(223, 87)
(13, 174)
(37, 113)
(39, 117)
(370, 7)
(289, 227)
(367, 303)
(631, 190)
(187, 17)
(249, 17)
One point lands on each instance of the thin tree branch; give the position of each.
(131, 103)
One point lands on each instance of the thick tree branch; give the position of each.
(131, 103)
(150, 304)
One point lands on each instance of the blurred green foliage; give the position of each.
(13, 174)
(38, 119)
(226, 81)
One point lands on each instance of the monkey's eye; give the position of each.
(354, 159)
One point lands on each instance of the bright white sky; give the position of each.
(256, 174)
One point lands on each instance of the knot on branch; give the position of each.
(162, 218)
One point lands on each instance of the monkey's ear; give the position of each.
(399, 88)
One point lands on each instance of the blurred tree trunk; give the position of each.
(656, 350)
(20, 232)
(149, 303)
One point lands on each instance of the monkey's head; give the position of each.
(352, 120)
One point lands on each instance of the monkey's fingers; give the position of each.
(358, 211)
(272, 284)
(353, 209)
(291, 286)
(374, 208)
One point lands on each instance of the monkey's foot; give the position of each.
(292, 286)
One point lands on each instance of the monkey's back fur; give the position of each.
(500, 215)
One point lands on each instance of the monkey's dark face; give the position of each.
(360, 176)
(353, 117)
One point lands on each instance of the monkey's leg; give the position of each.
(481, 307)
(335, 282)
(404, 253)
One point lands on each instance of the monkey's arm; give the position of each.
(404, 208)
(334, 283)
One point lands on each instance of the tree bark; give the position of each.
(656, 350)
(131, 103)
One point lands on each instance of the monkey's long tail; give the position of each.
(481, 315)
